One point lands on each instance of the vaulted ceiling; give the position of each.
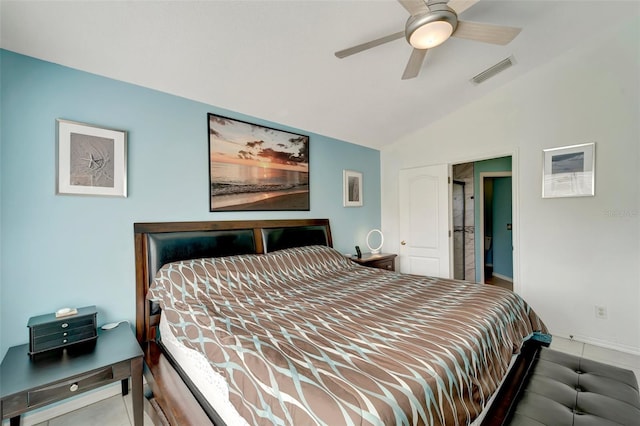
(275, 59)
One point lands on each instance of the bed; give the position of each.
(294, 333)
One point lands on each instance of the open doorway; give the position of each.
(496, 229)
(482, 224)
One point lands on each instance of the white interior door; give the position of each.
(424, 221)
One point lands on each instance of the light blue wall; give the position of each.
(61, 250)
(493, 165)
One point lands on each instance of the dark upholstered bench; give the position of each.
(564, 389)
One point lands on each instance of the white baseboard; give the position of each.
(606, 344)
(502, 277)
(68, 405)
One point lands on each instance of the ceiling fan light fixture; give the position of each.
(432, 28)
(431, 34)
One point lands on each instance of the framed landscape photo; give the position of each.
(569, 171)
(256, 168)
(352, 190)
(91, 160)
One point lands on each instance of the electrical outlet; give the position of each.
(601, 312)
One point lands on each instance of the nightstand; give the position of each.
(26, 384)
(381, 260)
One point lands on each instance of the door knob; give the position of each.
(403, 242)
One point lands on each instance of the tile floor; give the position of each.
(598, 353)
(116, 411)
(113, 411)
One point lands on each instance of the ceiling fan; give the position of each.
(431, 23)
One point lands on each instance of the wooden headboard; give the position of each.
(162, 242)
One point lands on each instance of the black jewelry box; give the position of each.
(49, 333)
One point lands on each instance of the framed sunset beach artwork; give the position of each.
(256, 168)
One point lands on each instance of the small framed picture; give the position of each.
(91, 160)
(352, 188)
(569, 171)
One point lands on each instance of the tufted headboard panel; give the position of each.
(173, 246)
(275, 239)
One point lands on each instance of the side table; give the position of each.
(26, 384)
(379, 260)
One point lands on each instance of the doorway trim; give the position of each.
(515, 204)
(483, 176)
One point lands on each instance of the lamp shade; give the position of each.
(432, 28)
(375, 240)
(431, 35)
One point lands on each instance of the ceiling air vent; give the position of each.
(491, 71)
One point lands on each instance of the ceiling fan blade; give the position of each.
(415, 63)
(461, 5)
(414, 6)
(368, 45)
(487, 33)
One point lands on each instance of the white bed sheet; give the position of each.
(210, 384)
(213, 386)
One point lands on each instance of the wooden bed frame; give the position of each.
(164, 242)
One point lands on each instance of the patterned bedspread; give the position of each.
(305, 336)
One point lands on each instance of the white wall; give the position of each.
(570, 253)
